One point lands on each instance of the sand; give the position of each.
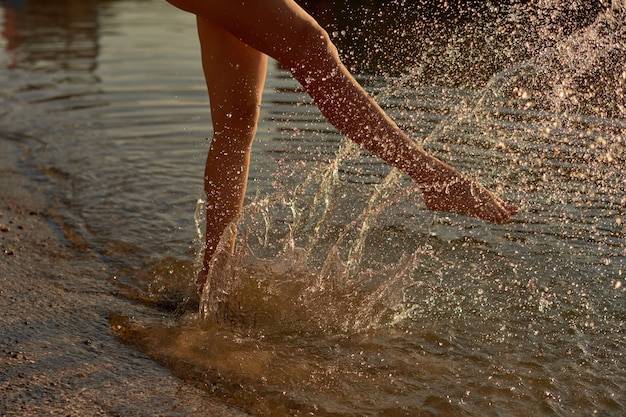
(57, 353)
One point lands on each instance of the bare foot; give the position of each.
(460, 194)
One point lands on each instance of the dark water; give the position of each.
(345, 296)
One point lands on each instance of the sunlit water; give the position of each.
(345, 296)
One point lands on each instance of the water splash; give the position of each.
(305, 273)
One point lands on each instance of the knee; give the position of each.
(314, 37)
(313, 48)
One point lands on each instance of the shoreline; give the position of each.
(57, 353)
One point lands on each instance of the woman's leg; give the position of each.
(281, 29)
(235, 75)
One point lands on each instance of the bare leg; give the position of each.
(235, 75)
(281, 29)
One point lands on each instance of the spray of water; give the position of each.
(306, 276)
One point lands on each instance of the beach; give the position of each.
(57, 353)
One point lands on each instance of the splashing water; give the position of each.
(283, 270)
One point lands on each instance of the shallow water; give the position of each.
(345, 296)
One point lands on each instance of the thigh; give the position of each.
(278, 28)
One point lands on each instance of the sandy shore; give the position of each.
(57, 354)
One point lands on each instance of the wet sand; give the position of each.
(57, 353)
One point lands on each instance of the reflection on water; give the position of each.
(30, 27)
(345, 296)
